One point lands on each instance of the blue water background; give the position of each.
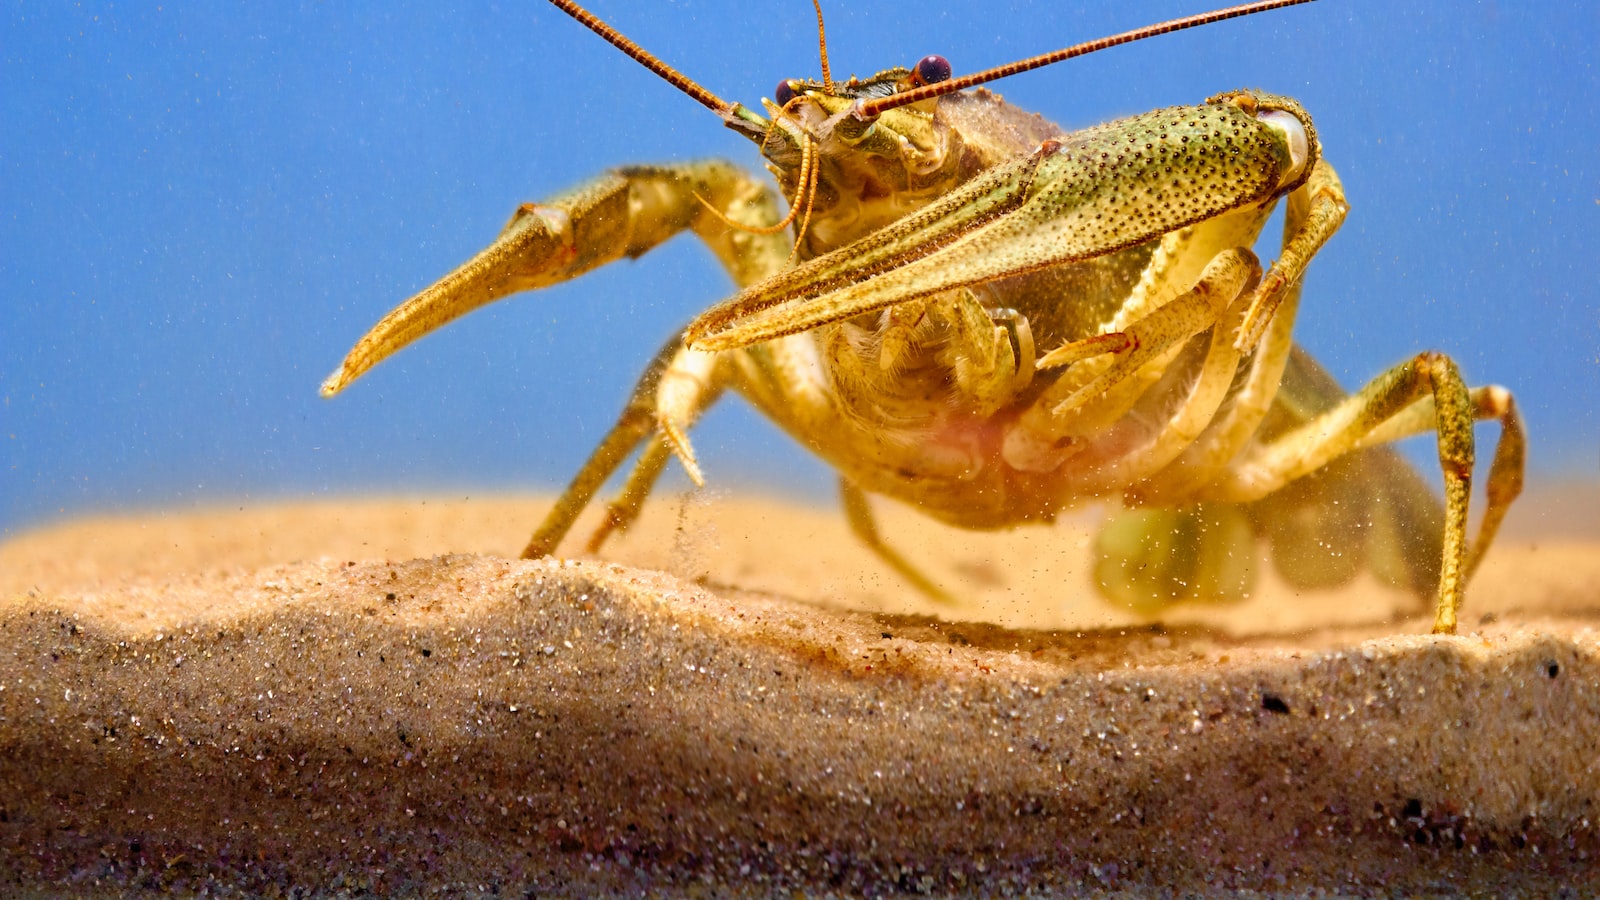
(202, 205)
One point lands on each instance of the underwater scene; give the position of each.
(1108, 602)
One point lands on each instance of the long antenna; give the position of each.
(872, 108)
(645, 58)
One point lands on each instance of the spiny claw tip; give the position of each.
(694, 337)
(334, 383)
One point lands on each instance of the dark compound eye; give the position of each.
(784, 92)
(931, 70)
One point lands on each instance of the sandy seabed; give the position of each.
(352, 697)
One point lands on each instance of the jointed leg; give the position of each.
(678, 386)
(859, 515)
(1311, 212)
(1349, 426)
(632, 427)
(621, 512)
(1077, 404)
(1505, 470)
(1316, 210)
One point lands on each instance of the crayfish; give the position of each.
(970, 310)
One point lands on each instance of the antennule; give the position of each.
(873, 108)
(822, 44)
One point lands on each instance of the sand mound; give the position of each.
(290, 698)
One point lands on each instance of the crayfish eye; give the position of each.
(784, 92)
(931, 70)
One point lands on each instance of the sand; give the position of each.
(345, 697)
